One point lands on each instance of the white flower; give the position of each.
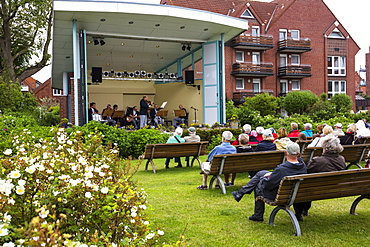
(22, 182)
(82, 161)
(132, 221)
(88, 194)
(133, 214)
(146, 222)
(160, 232)
(8, 152)
(104, 190)
(89, 175)
(69, 142)
(101, 174)
(3, 231)
(142, 207)
(44, 213)
(7, 217)
(150, 235)
(14, 174)
(31, 169)
(11, 201)
(19, 190)
(9, 244)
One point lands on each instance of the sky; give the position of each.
(353, 15)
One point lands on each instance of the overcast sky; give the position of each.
(354, 16)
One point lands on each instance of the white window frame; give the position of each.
(257, 82)
(285, 57)
(337, 87)
(298, 58)
(284, 86)
(296, 82)
(250, 15)
(257, 32)
(242, 55)
(293, 31)
(256, 58)
(285, 32)
(338, 36)
(57, 92)
(242, 83)
(338, 66)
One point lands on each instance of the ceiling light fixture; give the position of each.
(96, 42)
(102, 42)
(189, 47)
(183, 47)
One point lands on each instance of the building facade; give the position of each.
(289, 45)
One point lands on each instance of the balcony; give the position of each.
(250, 69)
(239, 96)
(260, 43)
(294, 71)
(294, 46)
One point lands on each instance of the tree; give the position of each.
(25, 33)
(265, 103)
(299, 101)
(342, 103)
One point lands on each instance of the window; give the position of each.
(295, 34)
(247, 14)
(295, 60)
(284, 86)
(256, 85)
(283, 34)
(255, 31)
(336, 87)
(296, 85)
(337, 65)
(256, 58)
(283, 60)
(57, 92)
(239, 56)
(336, 34)
(239, 83)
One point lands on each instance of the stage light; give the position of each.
(96, 42)
(189, 48)
(137, 72)
(143, 73)
(106, 73)
(172, 75)
(160, 75)
(102, 42)
(149, 75)
(119, 74)
(183, 47)
(131, 74)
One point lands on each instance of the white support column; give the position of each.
(75, 72)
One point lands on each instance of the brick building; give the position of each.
(289, 45)
(367, 68)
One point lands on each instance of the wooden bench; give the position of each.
(319, 186)
(243, 162)
(171, 150)
(353, 154)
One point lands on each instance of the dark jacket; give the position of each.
(348, 139)
(244, 149)
(326, 163)
(268, 186)
(265, 145)
(143, 107)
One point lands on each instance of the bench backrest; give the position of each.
(171, 150)
(244, 162)
(351, 153)
(325, 185)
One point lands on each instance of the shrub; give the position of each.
(299, 101)
(342, 103)
(264, 103)
(70, 191)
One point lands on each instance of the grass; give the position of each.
(210, 218)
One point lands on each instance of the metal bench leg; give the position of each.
(211, 181)
(221, 183)
(153, 166)
(146, 165)
(292, 216)
(195, 158)
(354, 164)
(355, 203)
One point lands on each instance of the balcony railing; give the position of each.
(250, 69)
(253, 42)
(294, 71)
(294, 45)
(239, 96)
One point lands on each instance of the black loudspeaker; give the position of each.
(97, 74)
(189, 77)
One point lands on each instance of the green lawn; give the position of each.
(210, 218)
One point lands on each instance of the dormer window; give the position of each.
(336, 34)
(247, 14)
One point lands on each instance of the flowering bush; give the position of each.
(70, 191)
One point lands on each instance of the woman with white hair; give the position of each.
(307, 130)
(349, 137)
(295, 132)
(176, 138)
(259, 131)
(192, 137)
(362, 131)
(327, 131)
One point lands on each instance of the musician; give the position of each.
(131, 116)
(119, 120)
(180, 118)
(144, 106)
(109, 119)
(155, 120)
(92, 111)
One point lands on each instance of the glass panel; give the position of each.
(256, 85)
(282, 35)
(283, 87)
(336, 62)
(295, 85)
(343, 86)
(295, 34)
(330, 71)
(336, 86)
(256, 58)
(295, 59)
(256, 31)
(283, 61)
(330, 62)
(239, 56)
(330, 87)
(239, 84)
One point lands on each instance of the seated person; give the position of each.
(266, 183)
(349, 137)
(329, 161)
(182, 119)
(295, 132)
(362, 131)
(192, 137)
(282, 140)
(246, 130)
(317, 142)
(259, 131)
(92, 111)
(131, 116)
(108, 118)
(267, 143)
(176, 138)
(155, 120)
(307, 130)
(224, 148)
(338, 130)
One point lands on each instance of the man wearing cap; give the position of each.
(338, 130)
(192, 137)
(266, 183)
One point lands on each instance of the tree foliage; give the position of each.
(299, 101)
(342, 102)
(25, 33)
(265, 103)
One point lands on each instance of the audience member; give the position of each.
(259, 131)
(302, 137)
(295, 132)
(282, 140)
(224, 148)
(307, 130)
(192, 137)
(349, 137)
(176, 138)
(338, 130)
(328, 162)
(246, 130)
(266, 183)
(267, 143)
(362, 131)
(317, 142)
(366, 124)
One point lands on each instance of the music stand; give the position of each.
(180, 113)
(163, 114)
(118, 114)
(108, 113)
